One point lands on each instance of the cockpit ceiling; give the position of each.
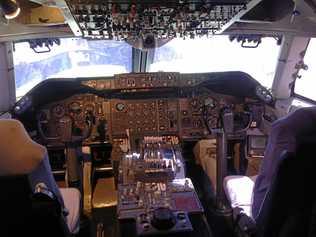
(171, 19)
(188, 19)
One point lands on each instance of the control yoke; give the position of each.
(66, 130)
(72, 142)
(229, 121)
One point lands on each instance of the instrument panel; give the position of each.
(77, 108)
(146, 80)
(197, 111)
(130, 81)
(137, 116)
(144, 116)
(144, 104)
(157, 117)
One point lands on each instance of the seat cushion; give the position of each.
(71, 198)
(238, 190)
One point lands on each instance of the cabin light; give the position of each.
(10, 8)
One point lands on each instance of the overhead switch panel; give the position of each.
(122, 20)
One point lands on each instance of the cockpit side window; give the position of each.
(217, 54)
(73, 58)
(305, 85)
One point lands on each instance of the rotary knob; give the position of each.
(163, 218)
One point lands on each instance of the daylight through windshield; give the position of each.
(218, 54)
(74, 57)
(305, 85)
(77, 57)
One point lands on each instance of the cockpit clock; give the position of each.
(120, 107)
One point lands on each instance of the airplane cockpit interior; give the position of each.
(147, 118)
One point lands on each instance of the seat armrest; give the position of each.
(246, 225)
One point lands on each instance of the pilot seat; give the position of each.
(281, 200)
(31, 202)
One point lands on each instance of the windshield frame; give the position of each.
(293, 93)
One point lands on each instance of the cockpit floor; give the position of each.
(101, 222)
(220, 225)
(104, 222)
(104, 203)
(104, 194)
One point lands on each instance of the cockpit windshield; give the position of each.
(305, 85)
(74, 57)
(218, 54)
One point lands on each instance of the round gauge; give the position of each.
(89, 108)
(264, 94)
(194, 103)
(120, 106)
(211, 112)
(75, 107)
(209, 102)
(58, 111)
(91, 83)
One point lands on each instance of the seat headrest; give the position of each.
(19, 154)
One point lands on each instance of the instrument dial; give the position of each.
(89, 108)
(58, 111)
(75, 107)
(264, 94)
(209, 102)
(120, 107)
(211, 112)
